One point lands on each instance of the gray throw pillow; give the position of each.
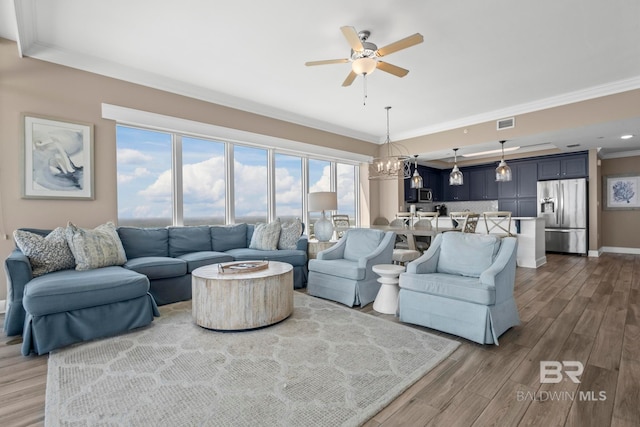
(265, 236)
(290, 232)
(46, 254)
(100, 247)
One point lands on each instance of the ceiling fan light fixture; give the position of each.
(364, 65)
(503, 171)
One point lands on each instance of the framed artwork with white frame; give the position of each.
(57, 161)
(621, 192)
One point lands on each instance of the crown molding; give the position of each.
(619, 155)
(133, 117)
(156, 81)
(529, 107)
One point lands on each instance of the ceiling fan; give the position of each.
(364, 55)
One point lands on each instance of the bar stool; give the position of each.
(403, 256)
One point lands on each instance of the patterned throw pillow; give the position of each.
(46, 254)
(289, 234)
(265, 236)
(100, 247)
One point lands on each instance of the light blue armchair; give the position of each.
(343, 273)
(462, 285)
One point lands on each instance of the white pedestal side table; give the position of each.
(387, 299)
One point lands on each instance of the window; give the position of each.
(166, 178)
(144, 177)
(203, 182)
(251, 180)
(288, 192)
(345, 188)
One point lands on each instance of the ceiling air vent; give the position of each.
(506, 123)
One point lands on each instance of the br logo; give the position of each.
(551, 371)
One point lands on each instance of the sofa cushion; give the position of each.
(462, 288)
(184, 240)
(361, 242)
(467, 254)
(292, 256)
(68, 290)
(198, 259)
(225, 237)
(100, 247)
(46, 254)
(144, 242)
(338, 267)
(265, 236)
(290, 232)
(158, 267)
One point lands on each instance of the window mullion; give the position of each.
(271, 185)
(176, 179)
(230, 214)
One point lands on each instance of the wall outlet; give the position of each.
(5, 237)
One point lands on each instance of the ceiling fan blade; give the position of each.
(392, 69)
(401, 44)
(350, 78)
(326, 61)
(352, 37)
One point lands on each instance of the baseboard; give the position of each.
(595, 254)
(3, 306)
(617, 250)
(526, 264)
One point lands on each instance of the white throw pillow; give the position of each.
(265, 236)
(46, 254)
(290, 233)
(100, 247)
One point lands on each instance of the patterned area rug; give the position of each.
(326, 365)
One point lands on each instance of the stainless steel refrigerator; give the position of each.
(563, 205)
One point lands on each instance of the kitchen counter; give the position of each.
(530, 234)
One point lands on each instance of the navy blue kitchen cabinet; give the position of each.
(570, 166)
(522, 207)
(524, 181)
(455, 193)
(482, 183)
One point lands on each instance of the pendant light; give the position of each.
(455, 177)
(503, 171)
(416, 179)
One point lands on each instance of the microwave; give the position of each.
(425, 195)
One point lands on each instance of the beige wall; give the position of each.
(38, 87)
(28, 85)
(620, 229)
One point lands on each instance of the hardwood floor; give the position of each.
(572, 309)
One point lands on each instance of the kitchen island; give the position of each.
(529, 232)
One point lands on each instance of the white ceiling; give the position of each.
(480, 60)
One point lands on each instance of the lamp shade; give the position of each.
(323, 201)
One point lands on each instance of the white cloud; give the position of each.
(123, 178)
(131, 157)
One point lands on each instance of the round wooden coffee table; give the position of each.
(246, 300)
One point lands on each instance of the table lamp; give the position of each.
(323, 201)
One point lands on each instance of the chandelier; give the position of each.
(390, 167)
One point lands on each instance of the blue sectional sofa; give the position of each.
(67, 306)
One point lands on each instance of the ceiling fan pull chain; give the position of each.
(364, 78)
